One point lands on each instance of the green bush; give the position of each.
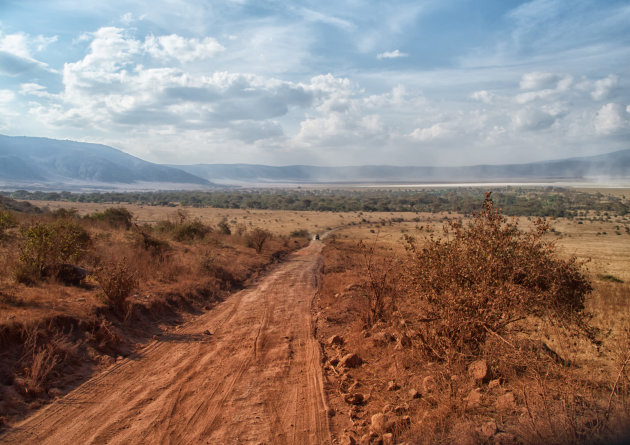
(7, 220)
(45, 246)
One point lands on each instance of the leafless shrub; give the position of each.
(117, 282)
(380, 281)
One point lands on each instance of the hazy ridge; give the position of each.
(41, 163)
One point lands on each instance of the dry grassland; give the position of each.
(580, 394)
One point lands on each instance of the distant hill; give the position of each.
(607, 166)
(49, 163)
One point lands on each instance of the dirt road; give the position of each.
(255, 379)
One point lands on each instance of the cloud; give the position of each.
(603, 88)
(16, 53)
(610, 119)
(533, 119)
(181, 49)
(537, 80)
(396, 54)
(483, 96)
(436, 131)
(6, 96)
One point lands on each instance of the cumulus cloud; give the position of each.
(533, 119)
(396, 54)
(435, 131)
(610, 119)
(603, 88)
(483, 96)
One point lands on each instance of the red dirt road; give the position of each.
(256, 379)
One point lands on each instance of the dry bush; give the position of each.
(115, 217)
(182, 228)
(45, 246)
(381, 282)
(487, 274)
(156, 247)
(45, 349)
(117, 282)
(257, 238)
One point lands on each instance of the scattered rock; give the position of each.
(414, 394)
(488, 429)
(55, 392)
(335, 340)
(494, 383)
(354, 398)
(504, 439)
(393, 386)
(81, 300)
(334, 361)
(473, 400)
(380, 424)
(331, 412)
(207, 332)
(388, 439)
(506, 402)
(68, 274)
(348, 440)
(351, 361)
(401, 408)
(429, 385)
(388, 408)
(403, 342)
(478, 370)
(352, 287)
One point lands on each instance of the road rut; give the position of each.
(256, 379)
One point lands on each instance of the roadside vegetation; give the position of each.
(481, 332)
(79, 291)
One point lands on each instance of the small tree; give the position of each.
(257, 238)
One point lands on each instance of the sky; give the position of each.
(424, 82)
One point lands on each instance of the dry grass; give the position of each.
(138, 277)
(551, 382)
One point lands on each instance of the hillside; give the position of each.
(607, 166)
(49, 163)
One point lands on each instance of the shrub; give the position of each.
(46, 246)
(182, 228)
(257, 238)
(300, 233)
(117, 282)
(156, 247)
(486, 275)
(224, 227)
(117, 217)
(7, 220)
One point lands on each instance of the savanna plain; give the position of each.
(187, 324)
